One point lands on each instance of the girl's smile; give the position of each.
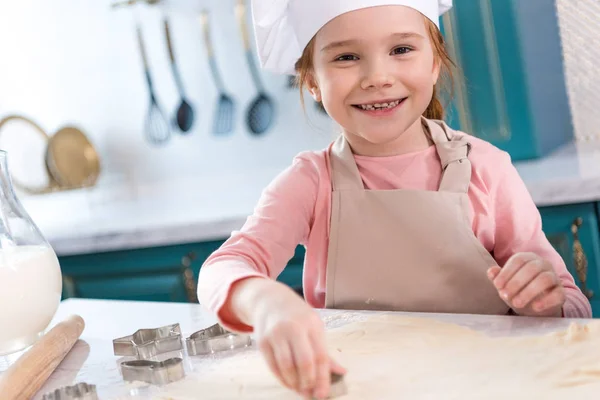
(380, 108)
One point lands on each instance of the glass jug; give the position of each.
(30, 275)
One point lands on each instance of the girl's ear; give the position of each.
(313, 87)
(437, 65)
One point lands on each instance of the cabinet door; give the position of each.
(167, 273)
(161, 273)
(510, 87)
(573, 231)
(159, 287)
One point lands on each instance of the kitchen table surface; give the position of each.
(92, 361)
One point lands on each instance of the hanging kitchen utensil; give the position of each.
(261, 113)
(184, 119)
(156, 127)
(291, 82)
(224, 116)
(49, 183)
(126, 3)
(71, 159)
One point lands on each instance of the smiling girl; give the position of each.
(400, 212)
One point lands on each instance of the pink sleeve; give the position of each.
(267, 241)
(519, 229)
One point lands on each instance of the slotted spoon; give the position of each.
(223, 119)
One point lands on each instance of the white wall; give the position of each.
(77, 62)
(579, 23)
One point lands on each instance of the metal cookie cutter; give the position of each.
(80, 391)
(214, 339)
(338, 386)
(153, 372)
(147, 343)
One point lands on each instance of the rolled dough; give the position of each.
(392, 357)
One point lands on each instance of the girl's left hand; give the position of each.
(529, 285)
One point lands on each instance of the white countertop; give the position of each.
(92, 361)
(210, 208)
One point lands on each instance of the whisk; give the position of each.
(156, 128)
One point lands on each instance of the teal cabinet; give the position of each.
(573, 231)
(145, 287)
(510, 89)
(292, 274)
(167, 273)
(153, 274)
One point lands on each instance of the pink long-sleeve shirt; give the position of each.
(294, 209)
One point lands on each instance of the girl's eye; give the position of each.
(401, 50)
(346, 57)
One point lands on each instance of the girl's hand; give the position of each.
(529, 285)
(291, 337)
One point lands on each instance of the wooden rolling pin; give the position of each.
(29, 373)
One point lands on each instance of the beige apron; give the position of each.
(408, 250)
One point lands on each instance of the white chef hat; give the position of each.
(283, 28)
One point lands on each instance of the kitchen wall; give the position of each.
(579, 25)
(77, 62)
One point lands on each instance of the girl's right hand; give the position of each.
(291, 337)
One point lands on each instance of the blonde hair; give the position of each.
(435, 109)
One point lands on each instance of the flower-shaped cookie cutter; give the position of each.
(80, 391)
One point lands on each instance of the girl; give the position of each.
(399, 213)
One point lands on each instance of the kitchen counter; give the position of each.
(128, 216)
(92, 361)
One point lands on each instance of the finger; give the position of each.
(511, 267)
(543, 282)
(285, 362)
(554, 298)
(336, 367)
(304, 359)
(269, 356)
(323, 375)
(493, 272)
(521, 279)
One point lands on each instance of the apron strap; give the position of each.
(453, 151)
(344, 171)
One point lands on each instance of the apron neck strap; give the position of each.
(344, 171)
(453, 151)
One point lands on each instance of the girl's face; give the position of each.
(374, 70)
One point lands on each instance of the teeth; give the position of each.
(379, 106)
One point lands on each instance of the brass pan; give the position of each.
(71, 160)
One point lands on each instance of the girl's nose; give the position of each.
(377, 76)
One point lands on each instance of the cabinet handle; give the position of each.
(188, 277)
(581, 263)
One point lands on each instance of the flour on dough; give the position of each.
(390, 357)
